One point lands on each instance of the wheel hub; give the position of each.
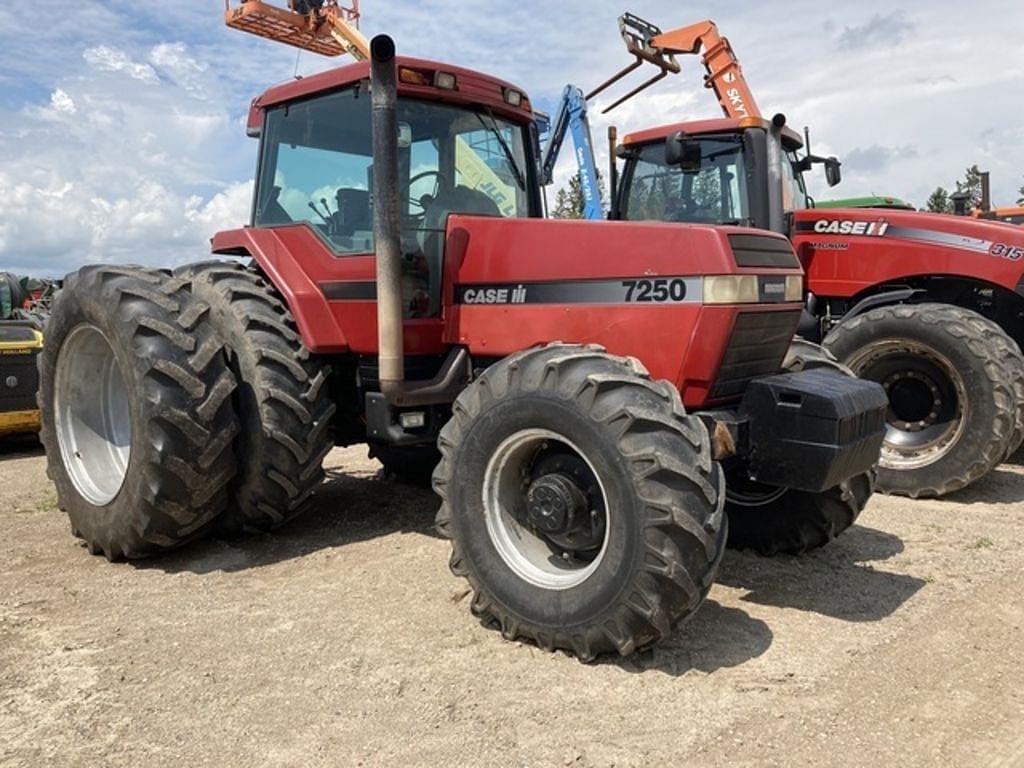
(546, 510)
(555, 505)
(914, 399)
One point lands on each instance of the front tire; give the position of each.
(137, 421)
(771, 520)
(952, 408)
(583, 504)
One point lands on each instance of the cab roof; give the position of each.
(702, 127)
(471, 87)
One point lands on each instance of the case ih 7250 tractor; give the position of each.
(931, 307)
(601, 393)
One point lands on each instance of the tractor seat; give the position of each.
(353, 211)
(431, 237)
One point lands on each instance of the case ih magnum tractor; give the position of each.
(929, 306)
(598, 404)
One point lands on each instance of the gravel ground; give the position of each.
(344, 640)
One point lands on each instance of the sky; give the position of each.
(122, 124)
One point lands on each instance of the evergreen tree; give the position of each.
(1020, 200)
(972, 185)
(569, 202)
(939, 202)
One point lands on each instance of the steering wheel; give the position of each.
(417, 203)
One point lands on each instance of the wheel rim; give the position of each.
(741, 491)
(530, 476)
(927, 401)
(92, 417)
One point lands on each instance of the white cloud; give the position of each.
(107, 59)
(62, 103)
(174, 60)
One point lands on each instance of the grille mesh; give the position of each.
(757, 347)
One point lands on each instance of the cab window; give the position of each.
(316, 170)
(713, 193)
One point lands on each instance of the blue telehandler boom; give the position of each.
(572, 116)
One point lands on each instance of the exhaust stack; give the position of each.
(455, 372)
(386, 214)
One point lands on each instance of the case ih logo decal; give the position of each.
(848, 227)
(882, 228)
(668, 290)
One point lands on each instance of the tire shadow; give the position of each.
(840, 581)
(715, 637)
(20, 447)
(348, 508)
(1003, 486)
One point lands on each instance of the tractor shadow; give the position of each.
(841, 580)
(349, 508)
(20, 447)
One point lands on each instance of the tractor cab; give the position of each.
(741, 172)
(466, 144)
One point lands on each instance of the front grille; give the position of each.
(761, 251)
(19, 380)
(757, 347)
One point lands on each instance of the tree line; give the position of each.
(941, 200)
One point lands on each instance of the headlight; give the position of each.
(731, 289)
(795, 288)
(753, 289)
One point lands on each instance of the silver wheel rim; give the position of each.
(92, 418)
(902, 450)
(529, 555)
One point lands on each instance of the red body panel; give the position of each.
(913, 245)
(682, 343)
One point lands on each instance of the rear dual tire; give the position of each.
(137, 420)
(641, 468)
(282, 400)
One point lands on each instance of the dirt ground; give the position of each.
(344, 640)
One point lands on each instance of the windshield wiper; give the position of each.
(513, 165)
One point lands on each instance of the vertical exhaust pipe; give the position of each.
(456, 369)
(386, 214)
(986, 192)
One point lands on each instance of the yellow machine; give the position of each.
(20, 345)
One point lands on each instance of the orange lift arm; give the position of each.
(724, 75)
(330, 30)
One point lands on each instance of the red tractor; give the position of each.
(601, 394)
(929, 306)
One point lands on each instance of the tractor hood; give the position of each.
(887, 245)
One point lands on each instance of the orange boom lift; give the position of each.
(327, 28)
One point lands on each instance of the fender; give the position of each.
(307, 303)
(899, 296)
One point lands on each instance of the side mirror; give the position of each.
(833, 171)
(681, 151)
